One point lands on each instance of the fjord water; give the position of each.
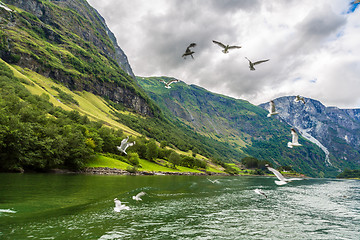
(48, 206)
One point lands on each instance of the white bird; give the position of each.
(295, 139)
(282, 179)
(298, 99)
(138, 196)
(167, 84)
(7, 211)
(252, 64)
(188, 51)
(124, 145)
(260, 192)
(272, 110)
(118, 206)
(226, 47)
(213, 181)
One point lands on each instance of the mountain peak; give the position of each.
(335, 130)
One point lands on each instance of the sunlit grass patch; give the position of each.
(153, 167)
(102, 161)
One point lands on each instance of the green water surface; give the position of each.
(50, 206)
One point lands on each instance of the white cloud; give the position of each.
(312, 45)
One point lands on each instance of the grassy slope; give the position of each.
(102, 161)
(96, 109)
(89, 104)
(241, 125)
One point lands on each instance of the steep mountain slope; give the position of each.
(239, 124)
(336, 130)
(69, 42)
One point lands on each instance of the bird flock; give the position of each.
(225, 49)
(272, 111)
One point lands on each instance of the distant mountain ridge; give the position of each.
(240, 124)
(337, 130)
(69, 42)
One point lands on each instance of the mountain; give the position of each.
(63, 57)
(237, 123)
(336, 131)
(68, 41)
(63, 80)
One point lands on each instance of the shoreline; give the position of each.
(116, 171)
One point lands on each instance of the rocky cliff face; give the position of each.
(69, 41)
(336, 130)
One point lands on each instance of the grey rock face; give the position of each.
(336, 129)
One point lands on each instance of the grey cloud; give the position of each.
(155, 35)
(316, 27)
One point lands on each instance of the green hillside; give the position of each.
(237, 123)
(68, 42)
(66, 101)
(44, 125)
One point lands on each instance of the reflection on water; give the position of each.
(176, 207)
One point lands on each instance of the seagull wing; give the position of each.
(295, 137)
(261, 61)
(172, 81)
(191, 45)
(140, 194)
(294, 179)
(277, 174)
(272, 107)
(124, 141)
(219, 43)
(280, 183)
(249, 60)
(258, 191)
(117, 203)
(231, 47)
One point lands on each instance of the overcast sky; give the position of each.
(313, 46)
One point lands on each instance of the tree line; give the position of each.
(36, 135)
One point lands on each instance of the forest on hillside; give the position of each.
(35, 135)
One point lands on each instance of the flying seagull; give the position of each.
(272, 110)
(213, 181)
(138, 196)
(295, 139)
(282, 179)
(188, 51)
(260, 192)
(298, 98)
(225, 47)
(118, 206)
(124, 145)
(167, 84)
(252, 64)
(7, 210)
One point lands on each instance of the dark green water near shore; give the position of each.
(49, 206)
